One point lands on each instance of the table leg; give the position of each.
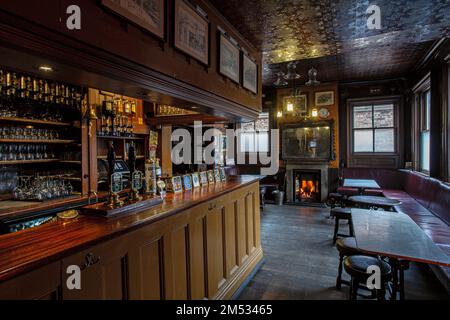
(393, 264)
(398, 278)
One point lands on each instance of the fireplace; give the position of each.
(315, 187)
(307, 186)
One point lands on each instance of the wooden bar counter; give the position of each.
(200, 244)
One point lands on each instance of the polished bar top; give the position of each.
(28, 249)
(395, 235)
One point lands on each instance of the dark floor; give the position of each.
(301, 261)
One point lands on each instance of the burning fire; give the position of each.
(307, 189)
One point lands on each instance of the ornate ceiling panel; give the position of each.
(286, 30)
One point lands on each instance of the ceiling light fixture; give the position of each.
(280, 82)
(312, 75)
(291, 71)
(46, 68)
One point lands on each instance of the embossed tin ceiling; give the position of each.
(334, 37)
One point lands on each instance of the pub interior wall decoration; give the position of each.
(296, 104)
(325, 98)
(147, 14)
(249, 74)
(195, 180)
(191, 31)
(229, 58)
(203, 178)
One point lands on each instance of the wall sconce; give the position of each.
(314, 113)
(279, 114)
(290, 107)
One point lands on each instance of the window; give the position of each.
(424, 135)
(373, 128)
(254, 136)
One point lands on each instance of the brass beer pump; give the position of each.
(115, 186)
(136, 176)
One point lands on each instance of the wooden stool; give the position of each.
(346, 247)
(335, 198)
(356, 266)
(342, 214)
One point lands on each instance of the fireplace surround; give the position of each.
(319, 169)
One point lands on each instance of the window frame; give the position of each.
(419, 96)
(376, 159)
(239, 126)
(372, 128)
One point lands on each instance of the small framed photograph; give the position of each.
(217, 175)
(195, 180)
(210, 176)
(203, 178)
(249, 74)
(299, 103)
(177, 184)
(324, 98)
(229, 58)
(223, 174)
(187, 182)
(191, 31)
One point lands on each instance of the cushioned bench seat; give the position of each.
(424, 199)
(434, 227)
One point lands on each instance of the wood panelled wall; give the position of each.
(310, 91)
(102, 30)
(205, 252)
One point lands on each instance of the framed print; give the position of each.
(229, 58)
(324, 98)
(191, 32)
(203, 178)
(195, 180)
(210, 176)
(249, 74)
(217, 175)
(147, 14)
(177, 184)
(187, 182)
(223, 175)
(299, 103)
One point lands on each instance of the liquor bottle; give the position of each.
(2, 83)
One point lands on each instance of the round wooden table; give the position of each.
(375, 202)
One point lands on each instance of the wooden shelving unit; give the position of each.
(119, 138)
(16, 162)
(34, 121)
(70, 161)
(56, 141)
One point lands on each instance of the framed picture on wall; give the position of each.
(298, 103)
(249, 74)
(324, 98)
(229, 58)
(191, 31)
(147, 14)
